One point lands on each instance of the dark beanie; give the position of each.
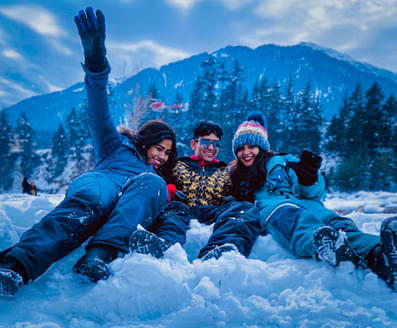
(153, 132)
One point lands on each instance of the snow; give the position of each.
(269, 289)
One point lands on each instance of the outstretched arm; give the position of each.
(91, 28)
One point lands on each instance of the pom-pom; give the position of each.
(257, 117)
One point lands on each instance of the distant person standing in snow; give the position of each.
(202, 185)
(107, 204)
(289, 193)
(28, 187)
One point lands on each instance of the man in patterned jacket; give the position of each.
(203, 192)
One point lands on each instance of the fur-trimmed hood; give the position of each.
(125, 131)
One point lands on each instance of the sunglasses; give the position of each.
(207, 142)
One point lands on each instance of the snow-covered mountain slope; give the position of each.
(332, 75)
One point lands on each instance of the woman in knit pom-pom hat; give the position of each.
(248, 171)
(288, 193)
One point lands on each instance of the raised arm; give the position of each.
(91, 28)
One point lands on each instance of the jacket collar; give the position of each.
(201, 161)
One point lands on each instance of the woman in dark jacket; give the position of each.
(98, 204)
(289, 192)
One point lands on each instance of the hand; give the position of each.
(91, 29)
(307, 167)
(310, 161)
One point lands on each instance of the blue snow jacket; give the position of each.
(282, 188)
(291, 212)
(106, 203)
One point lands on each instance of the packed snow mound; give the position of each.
(269, 289)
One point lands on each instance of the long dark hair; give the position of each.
(246, 180)
(151, 133)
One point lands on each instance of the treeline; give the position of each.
(20, 153)
(363, 137)
(359, 144)
(220, 94)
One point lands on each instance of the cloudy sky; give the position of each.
(40, 50)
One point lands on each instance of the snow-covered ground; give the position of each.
(270, 289)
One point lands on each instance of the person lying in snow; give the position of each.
(289, 193)
(98, 204)
(204, 184)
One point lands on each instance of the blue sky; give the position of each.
(40, 50)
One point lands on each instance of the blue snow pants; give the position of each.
(236, 223)
(95, 205)
(293, 227)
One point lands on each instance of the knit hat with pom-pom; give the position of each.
(251, 132)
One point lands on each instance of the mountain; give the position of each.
(331, 73)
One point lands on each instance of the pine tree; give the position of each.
(7, 158)
(232, 107)
(59, 150)
(203, 100)
(24, 139)
(353, 118)
(77, 124)
(274, 114)
(372, 124)
(261, 97)
(209, 106)
(307, 121)
(334, 135)
(287, 115)
(394, 154)
(388, 121)
(372, 130)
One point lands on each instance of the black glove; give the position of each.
(92, 33)
(307, 167)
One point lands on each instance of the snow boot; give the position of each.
(383, 258)
(10, 282)
(145, 242)
(12, 276)
(94, 263)
(332, 247)
(218, 251)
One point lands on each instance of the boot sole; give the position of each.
(93, 270)
(10, 282)
(145, 242)
(388, 236)
(324, 242)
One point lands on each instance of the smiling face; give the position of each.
(158, 154)
(207, 149)
(247, 154)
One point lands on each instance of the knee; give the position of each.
(85, 189)
(93, 191)
(342, 223)
(152, 185)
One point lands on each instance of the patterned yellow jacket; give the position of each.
(202, 184)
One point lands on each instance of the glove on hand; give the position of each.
(91, 29)
(307, 168)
